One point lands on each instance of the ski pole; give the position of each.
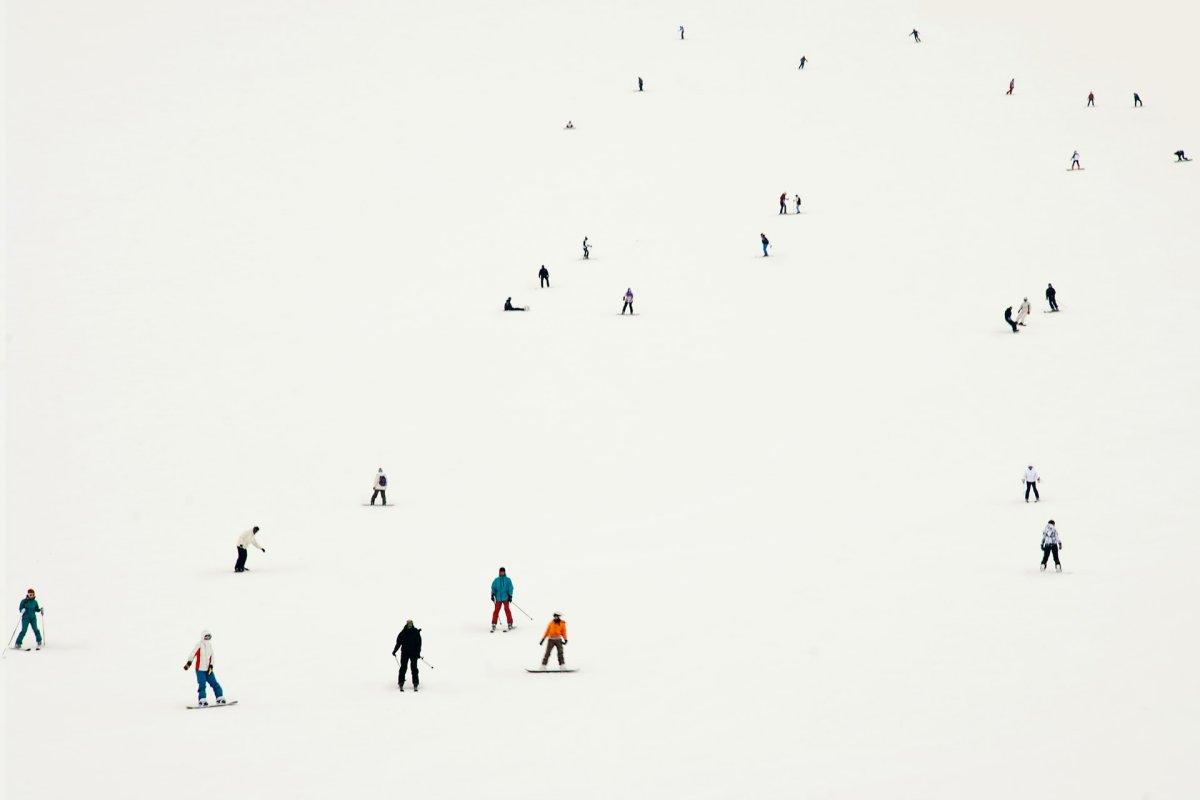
(45, 636)
(426, 662)
(523, 611)
(10, 638)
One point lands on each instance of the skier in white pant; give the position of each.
(1031, 481)
(1023, 311)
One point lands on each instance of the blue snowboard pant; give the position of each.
(210, 678)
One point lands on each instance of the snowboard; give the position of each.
(556, 669)
(216, 705)
(1051, 311)
(380, 505)
(1077, 169)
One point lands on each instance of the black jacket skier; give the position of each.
(1050, 296)
(408, 642)
(544, 276)
(1008, 318)
(508, 306)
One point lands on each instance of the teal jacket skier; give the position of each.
(502, 595)
(29, 609)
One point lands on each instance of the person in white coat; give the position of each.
(380, 487)
(1051, 544)
(244, 543)
(1032, 479)
(202, 657)
(1023, 311)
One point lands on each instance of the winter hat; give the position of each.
(1051, 522)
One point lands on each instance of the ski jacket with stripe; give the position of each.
(1050, 536)
(248, 540)
(557, 629)
(202, 654)
(502, 589)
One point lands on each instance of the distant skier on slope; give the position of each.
(797, 204)
(587, 249)
(543, 277)
(1011, 84)
(502, 595)
(1051, 293)
(244, 542)
(570, 126)
(1032, 479)
(916, 36)
(408, 642)
(29, 609)
(1075, 160)
(1179, 156)
(1091, 99)
(681, 33)
(765, 243)
(202, 656)
(628, 302)
(380, 487)
(803, 61)
(1137, 100)
(640, 84)
(1009, 319)
(508, 306)
(1051, 544)
(783, 203)
(555, 638)
(1023, 311)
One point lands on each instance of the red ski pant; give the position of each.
(507, 611)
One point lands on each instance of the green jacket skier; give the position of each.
(29, 609)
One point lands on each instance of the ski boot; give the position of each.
(510, 626)
(402, 687)
(1058, 567)
(1043, 567)
(220, 701)
(415, 687)
(37, 646)
(203, 704)
(493, 627)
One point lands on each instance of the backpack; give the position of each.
(383, 480)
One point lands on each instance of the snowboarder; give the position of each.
(783, 203)
(641, 85)
(1050, 295)
(380, 487)
(628, 302)
(1008, 318)
(502, 595)
(1023, 311)
(681, 33)
(1179, 156)
(1011, 84)
(544, 277)
(1075, 160)
(555, 638)
(803, 61)
(1032, 479)
(765, 243)
(244, 542)
(1137, 100)
(570, 126)
(587, 249)
(29, 609)
(508, 306)
(916, 36)
(202, 656)
(1091, 99)
(1051, 544)
(797, 204)
(408, 642)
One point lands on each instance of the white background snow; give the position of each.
(256, 250)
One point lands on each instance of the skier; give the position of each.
(570, 126)
(1091, 99)
(640, 84)
(1050, 294)
(681, 33)
(502, 595)
(555, 638)
(544, 277)
(380, 487)
(1075, 160)
(1051, 544)
(508, 306)
(628, 302)
(783, 203)
(1032, 479)
(202, 655)
(765, 243)
(1179, 156)
(244, 542)
(1011, 84)
(408, 642)
(797, 204)
(1137, 100)
(916, 36)
(1023, 311)
(29, 609)
(803, 61)
(587, 250)
(1008, 318)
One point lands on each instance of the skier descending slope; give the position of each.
(641, 85)
(916, 36)
(380, 487)
(1023, 311)
(1050, 295)
(1032, 479)
(1051, 544)
(202, 657)
(1075, 160)
(1091, 99)
(1008, 318)
(765, 243)
(803, 61)
(244, 542)
(628, 302)
(681, 33)
(1137, 100)
(587, 249)
(29, 609)
(555, 638)
(502, 595)
(1011, 85)
(408, 642)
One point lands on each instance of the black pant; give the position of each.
(240, 566)
(1010, 322)
(545, 280)
(585, 252)
(1031, 485)
(379, 493)
(1137, 101)
(1053, 303)
(1047, 551)
(627, 305)
(1091, 102)
(405, 661)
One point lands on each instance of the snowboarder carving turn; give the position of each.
(247, 540)
(29, 608)
(1032, 479)
(502, 595)
(1051, 544)
(380, 489)
(202, 657)
(1051, 293)
(408, 642)
(555, 638)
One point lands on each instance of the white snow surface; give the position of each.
(255, 251)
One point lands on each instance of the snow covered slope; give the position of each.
(255, 251)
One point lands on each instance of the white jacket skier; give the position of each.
(1023, 311)
(1050, 536)
(1031, 475)
(248, 540)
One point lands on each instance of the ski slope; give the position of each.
(255, 251)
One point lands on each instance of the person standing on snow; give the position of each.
(408, 642)
(554, 638)
(380, 487)
(1091, 99)
(1075, 160)
(1023, 311)
(1032, 479)
(502, 595)
(628, 302)
(1011, 85)
(765, 243)
(803, 61)
(244, 542)
(783, 203)
(797, 204)
(587, 250)
(29, 609)
(1008, 318)
(1050, 295)
(1051, 544)
(544, 277)
(916, 36)
(681, 33)
(640, 84)
(202, 656)
(1137, 100)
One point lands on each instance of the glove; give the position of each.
(187, 666)
(263, 549)
(564, 642)
(493, 598)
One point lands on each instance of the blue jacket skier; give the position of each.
(502, 595)
(29, 609)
